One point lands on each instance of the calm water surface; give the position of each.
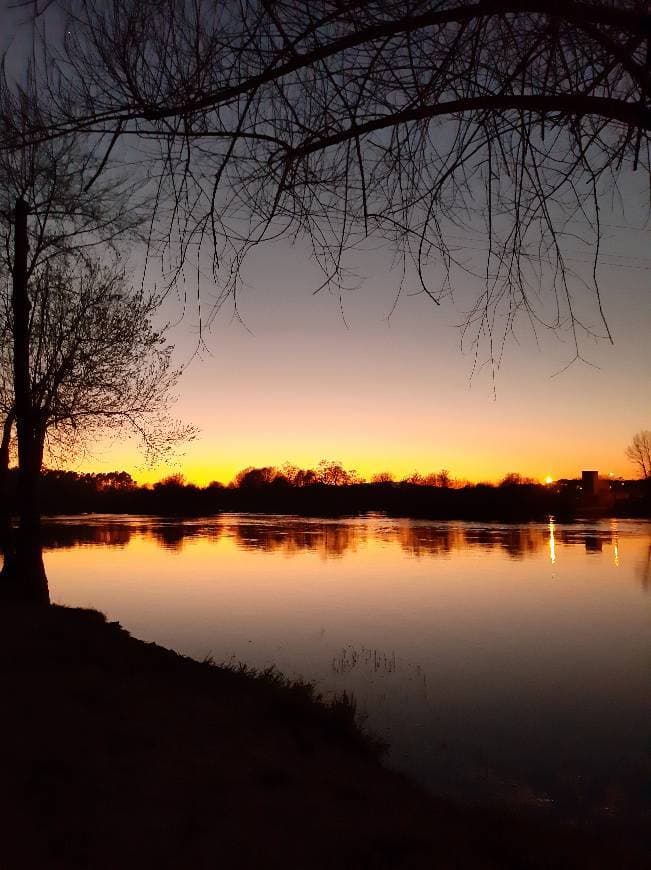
(502, 662)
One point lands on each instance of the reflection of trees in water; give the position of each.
(22, 576)
(331, 539)
(524, 542)
(170, 536)
(421, 540)
(485, 538)
(57, 536)
(516, 542)
(594, 544)
(582, 536)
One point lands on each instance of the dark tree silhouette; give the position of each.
(78, 349)
(332, 473)
(473, 135)
(47, 213)
(383, 477)
(95, 364)
(255, 478)
(514, 478)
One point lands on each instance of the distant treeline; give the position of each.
(331, 490)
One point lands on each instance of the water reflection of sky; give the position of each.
(501, 661)
(334, 538)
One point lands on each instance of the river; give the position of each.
(503, 663)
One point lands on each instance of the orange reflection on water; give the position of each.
(221, 565)
(333, 539)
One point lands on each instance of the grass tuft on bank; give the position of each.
(297, 702)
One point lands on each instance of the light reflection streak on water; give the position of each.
(552, 543)
(615, 539)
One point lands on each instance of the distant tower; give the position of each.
(590, 482)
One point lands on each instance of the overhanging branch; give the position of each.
(630, 114)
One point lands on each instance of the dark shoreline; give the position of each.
(117, 752)
(64, 492)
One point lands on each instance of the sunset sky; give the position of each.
(296, 383)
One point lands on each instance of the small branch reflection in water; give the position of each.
(351, 658)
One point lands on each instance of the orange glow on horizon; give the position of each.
(201, 469)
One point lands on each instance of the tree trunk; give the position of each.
(29, 455)
(23, 570)
(5, 512)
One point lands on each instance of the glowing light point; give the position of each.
(549, 480)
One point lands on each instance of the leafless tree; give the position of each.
(96, 365)
(55, 210)
(332, 473)
(480, 138)
(257, 478)
(639, 452)
(48, 213)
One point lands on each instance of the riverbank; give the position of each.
(119, 753)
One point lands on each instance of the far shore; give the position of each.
(119, 753)
(515, 499)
